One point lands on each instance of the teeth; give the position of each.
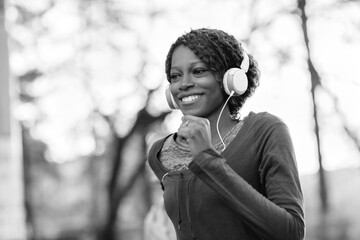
(191, 98)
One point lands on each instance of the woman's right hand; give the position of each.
(195, 131)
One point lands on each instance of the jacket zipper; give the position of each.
(188, 207)
(187, 197)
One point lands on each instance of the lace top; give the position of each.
(175, 157)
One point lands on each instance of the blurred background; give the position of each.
(82, 98)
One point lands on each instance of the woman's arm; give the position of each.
(278, 214)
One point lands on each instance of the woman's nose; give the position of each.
(186, 82)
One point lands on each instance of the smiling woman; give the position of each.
(219, 165)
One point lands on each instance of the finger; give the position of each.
(182, 134)
(189, 119)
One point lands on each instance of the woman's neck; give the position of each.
(226, 123)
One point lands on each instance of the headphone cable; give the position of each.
(218, 120)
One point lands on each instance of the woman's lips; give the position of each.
(190, 99)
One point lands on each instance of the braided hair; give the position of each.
(220, 52)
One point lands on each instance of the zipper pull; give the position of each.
(179, 225)
(162, 180)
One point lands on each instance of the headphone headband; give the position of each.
(245, 62)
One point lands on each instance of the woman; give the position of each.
(224, 177)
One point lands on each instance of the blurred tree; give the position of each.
(142, 126)
(4, 80)
(83, 53)
(316, 85)
(12, 222)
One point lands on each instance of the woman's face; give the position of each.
(194, 87)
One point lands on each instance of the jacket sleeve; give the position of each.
(278, 214)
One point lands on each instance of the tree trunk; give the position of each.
(117, 194)
(12, 223)
(315, 84)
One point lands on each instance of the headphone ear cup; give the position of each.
(170, 99)
(235, 79)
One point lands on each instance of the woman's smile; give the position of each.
(190, 99)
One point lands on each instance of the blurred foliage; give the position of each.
(90, 90)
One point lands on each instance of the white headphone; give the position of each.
(234, 81)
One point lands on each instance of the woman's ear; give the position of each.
(219, 79)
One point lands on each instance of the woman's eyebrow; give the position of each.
(191, 64)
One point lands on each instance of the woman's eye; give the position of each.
(174, 77)
(199, 71)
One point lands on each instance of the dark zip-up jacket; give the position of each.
(249, 191)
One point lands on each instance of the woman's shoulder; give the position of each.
(263, 116)
(263, 120)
